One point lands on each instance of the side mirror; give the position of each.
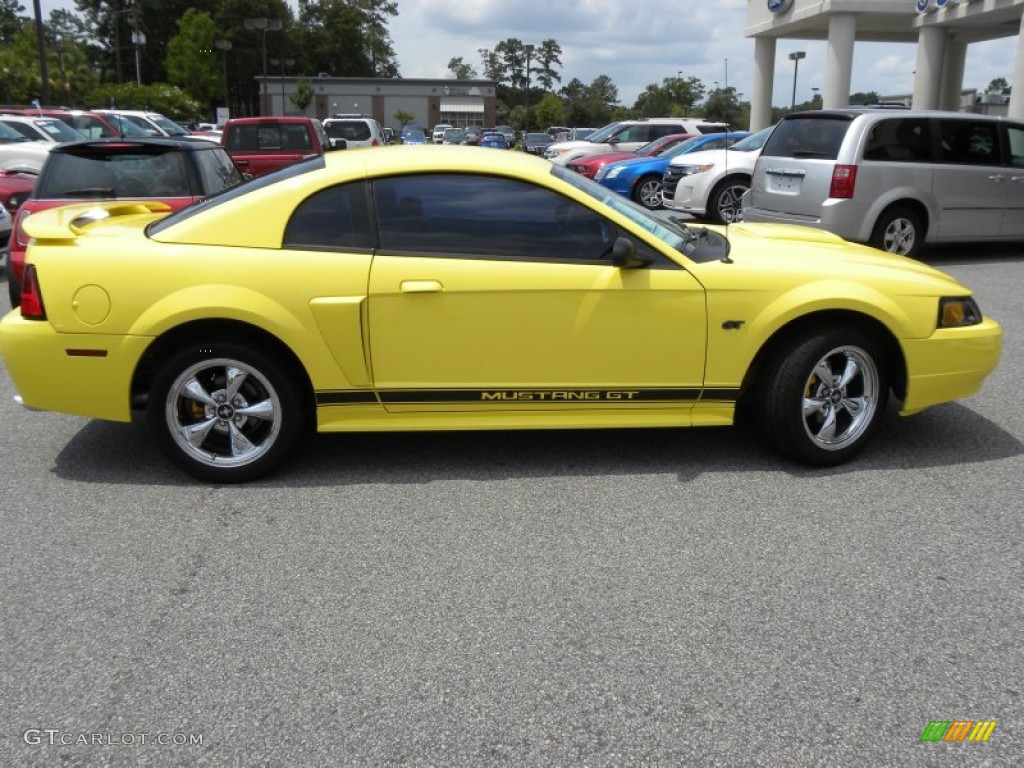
(624, 255)
(612, 140)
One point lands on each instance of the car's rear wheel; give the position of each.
(225, 413)
(647, 192)
(822, 397)
(724, 200)
(899, 230)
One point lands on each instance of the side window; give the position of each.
(902, 139)
(1015, 136)
(336, 218)
(463, 215)
(968, 142)
(661, 129)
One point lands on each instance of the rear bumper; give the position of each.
(950, 364)
(50, 373)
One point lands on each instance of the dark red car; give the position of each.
(172, 171)
(588, 165)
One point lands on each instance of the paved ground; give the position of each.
(607, 599)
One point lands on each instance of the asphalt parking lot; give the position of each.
(613, 598)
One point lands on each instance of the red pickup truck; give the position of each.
(259, 145)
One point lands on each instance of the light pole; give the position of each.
(529, 52)
(224, 46)
(138, 40)
(283, 63)
(815, 97)
(58, 43)
(41, 46)
(795, 57)
(264, 25)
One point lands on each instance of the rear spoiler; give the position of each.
(69, 221)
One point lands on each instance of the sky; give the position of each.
(639, 42)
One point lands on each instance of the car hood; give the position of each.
(810, 254)
(735, 158)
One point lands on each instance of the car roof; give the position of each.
(129, 144)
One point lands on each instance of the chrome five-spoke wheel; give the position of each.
(822, 393)
(225, 412)
(841, 397)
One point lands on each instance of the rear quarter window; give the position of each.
(907, 140)
(808, 137)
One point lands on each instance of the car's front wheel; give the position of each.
(823, 395)
(724, 201)
(225, 413)
(647, 192)
(899, 230)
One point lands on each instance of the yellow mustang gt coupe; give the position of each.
(447, 288)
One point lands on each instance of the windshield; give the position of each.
(603, 133)
(171, 127)
(753, 141)
(683, 147)
(9, 134)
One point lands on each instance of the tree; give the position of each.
(347, 38)
(549, 111)
(864, 97)
(461, 70)
(303, 95)
(547, 55)
(723, 106)
(492, 66)
(999, 86)
(161, 97)
(191, 57)
(403, 118)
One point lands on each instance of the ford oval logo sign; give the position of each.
(921, 5)
(778, 6)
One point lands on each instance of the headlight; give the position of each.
(957, 311)
(614, 171)
(690, 170)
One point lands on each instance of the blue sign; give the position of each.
(921, 5)
(778, 6)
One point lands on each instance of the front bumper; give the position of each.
(952, 363)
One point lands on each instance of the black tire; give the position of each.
(647, 192)
(236, 438)
(724, 200)
(821, 418)
(898, 230)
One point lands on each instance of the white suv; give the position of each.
(710, 184)
(355, 130)
(437, 135)
(627, 136)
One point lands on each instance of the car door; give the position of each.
(492, 293)
(969, 183)
(1013, 216)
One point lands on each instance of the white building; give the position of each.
(942, 29)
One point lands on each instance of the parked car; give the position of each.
(473, 133)
(356, 131)
(15, 187)
(89, 124)
(627, 136)
(19, 154)
(579, 134)
(414, 137)
(494, 140)
(501, 292)
(589, 165)
(896, 179)
(259, 145)
(508, 132)
(152, 123)
(41, 128)
(437, 135)
(710, 184)
(536, 143)
(169, 173)
(640, 177)
(454, 136)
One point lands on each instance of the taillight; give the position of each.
(844, 179)
(31, 297)
(375, 143)
(19, 230)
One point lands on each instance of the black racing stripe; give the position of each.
(346, 397)
(721, 395)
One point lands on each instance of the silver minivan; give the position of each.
(893, 178)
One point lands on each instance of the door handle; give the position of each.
(1017, 179)
(421, 286)
(997, 177)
